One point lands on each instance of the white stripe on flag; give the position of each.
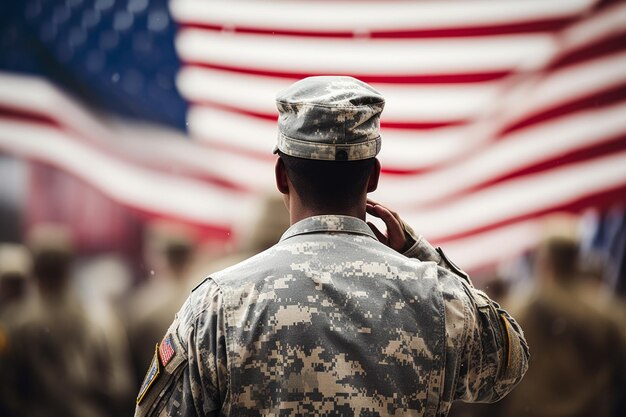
(354, 16)
(544, 142)
(364, 56)
(525, 196)
(132, 185)
(404, 102)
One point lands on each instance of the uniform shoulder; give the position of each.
(205, 298)
(452, 285)
(247, 270)
(208, 295)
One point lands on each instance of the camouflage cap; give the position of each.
(332, 118)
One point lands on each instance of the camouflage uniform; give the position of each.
(332, 322)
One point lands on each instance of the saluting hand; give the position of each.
(395, 237)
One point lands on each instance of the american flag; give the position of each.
(166, 350)
(497, 114)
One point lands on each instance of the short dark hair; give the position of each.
(328, 184)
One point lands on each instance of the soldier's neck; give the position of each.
(298, 211)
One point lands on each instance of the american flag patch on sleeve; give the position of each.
(166, 350)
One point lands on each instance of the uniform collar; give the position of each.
(329, 223)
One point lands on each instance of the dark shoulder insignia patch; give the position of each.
(151, 375)
(166, 350)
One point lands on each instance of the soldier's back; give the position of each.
(331, 322)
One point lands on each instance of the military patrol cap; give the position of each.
(332, 118)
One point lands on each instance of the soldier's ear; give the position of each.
(372, 183)
(280, 172)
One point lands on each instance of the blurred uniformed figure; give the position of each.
(102, 282)
(336, 319)
(595, 290)
(169, 253)
(14, 271)
(578, 366)
(56, 363)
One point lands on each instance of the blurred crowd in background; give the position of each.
(77, 332)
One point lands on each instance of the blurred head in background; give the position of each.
(557, 259)
(15, 266)
(557, 255)
(178, 254)
(52, 249)
(169, 249)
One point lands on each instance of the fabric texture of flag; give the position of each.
(497, 114)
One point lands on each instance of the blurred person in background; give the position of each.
(14, 270)
(169, 257)
(578, 365)
(595, 290)
(56, 362)
(102, 281)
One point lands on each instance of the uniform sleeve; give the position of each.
(486, 347)
(494, 355)
(187, 376)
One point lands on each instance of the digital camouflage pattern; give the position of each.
(331, 322)
(329, 118)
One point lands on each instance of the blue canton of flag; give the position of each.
(115, 55)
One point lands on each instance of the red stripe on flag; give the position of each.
(449, 32)
(602, 199)
(206, 231)
(607, 147)
(599, 48)
(422, 125)
(476, 31)
(605, 97)
(27, 115)
(223, 145)
(611, 145)
(457, 78)
(20, 115)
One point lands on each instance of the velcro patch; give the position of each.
(151, 376)
(166, 351)
(508, 340)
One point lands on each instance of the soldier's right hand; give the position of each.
(398, 236)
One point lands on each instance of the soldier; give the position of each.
(170, 251)
(579, 368)
(337, 318)
(14, 273)
(14, 267)
(55, 362)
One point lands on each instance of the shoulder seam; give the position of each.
(197, 314)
